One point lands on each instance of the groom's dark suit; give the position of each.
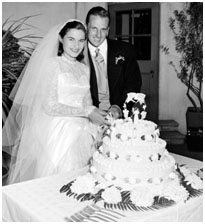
(123, 73)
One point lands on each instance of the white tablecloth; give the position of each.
(39, 200)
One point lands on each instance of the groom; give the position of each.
(114, 70)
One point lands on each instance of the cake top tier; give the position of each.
(126, 129)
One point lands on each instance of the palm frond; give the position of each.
(14, 56)
(21, 20)
(9, 74)
(30, 36)
(6, 21)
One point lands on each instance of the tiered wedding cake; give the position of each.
(131, 167)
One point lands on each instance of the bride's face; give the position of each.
(73, 43)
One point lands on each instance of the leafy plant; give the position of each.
(187, 27)
(14, 57)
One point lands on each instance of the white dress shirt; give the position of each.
(103, 50)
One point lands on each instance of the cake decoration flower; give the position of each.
(174, 191)
(108, 176)
(154, 157)
(113, 155)
(124, 137)
(184, 171)
(83, 184)
(93, 169)
(112, 195)
(194, 181)
(132, 180)
(141, 196)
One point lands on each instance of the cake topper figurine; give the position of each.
(134, 106)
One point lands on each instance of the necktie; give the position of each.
(101, 73)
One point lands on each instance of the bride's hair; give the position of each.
(69, 25)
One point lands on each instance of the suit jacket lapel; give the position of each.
(110, 56)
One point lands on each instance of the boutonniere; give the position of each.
(119, 59)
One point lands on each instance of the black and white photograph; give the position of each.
(102, 111)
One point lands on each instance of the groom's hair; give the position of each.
(98, 11)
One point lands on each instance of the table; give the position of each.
(39, 200)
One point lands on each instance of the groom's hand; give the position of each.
(98, 116)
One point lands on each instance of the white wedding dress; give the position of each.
(62, 138)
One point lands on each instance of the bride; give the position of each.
(52, 124)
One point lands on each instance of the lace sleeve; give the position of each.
(53, 107)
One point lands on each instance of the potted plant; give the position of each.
(187, 27)
(14, 58)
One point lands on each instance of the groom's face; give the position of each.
(97, 30)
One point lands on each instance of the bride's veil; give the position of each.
(28, 93)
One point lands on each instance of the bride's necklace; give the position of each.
(68, 60)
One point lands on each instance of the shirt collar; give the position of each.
(102, 47)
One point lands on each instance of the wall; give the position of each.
(173, 101)
(83, 8)
(48, 13)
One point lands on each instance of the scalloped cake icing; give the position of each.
(132, 152)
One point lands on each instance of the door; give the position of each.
(138, 24)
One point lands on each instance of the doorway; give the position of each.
(138, 24)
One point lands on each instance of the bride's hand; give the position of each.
(97, 116)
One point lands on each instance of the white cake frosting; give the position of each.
(132, 152)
